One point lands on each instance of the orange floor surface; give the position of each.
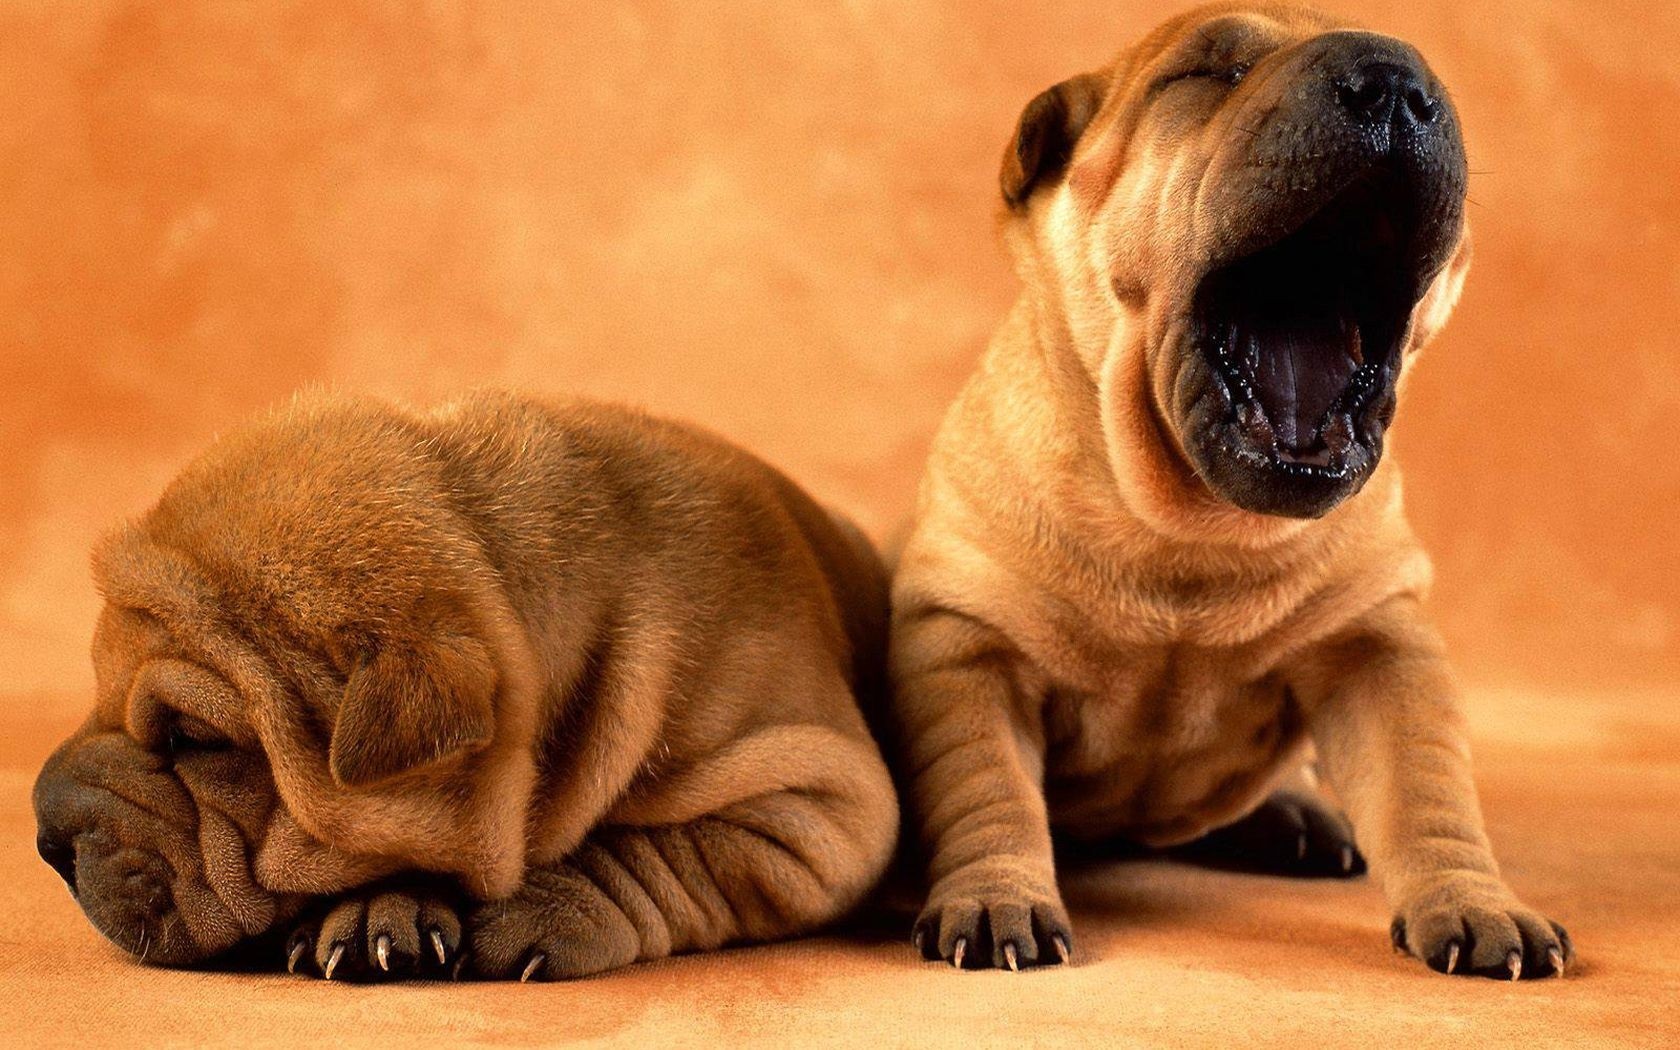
(1582, 811)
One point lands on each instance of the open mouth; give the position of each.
(1304, 335)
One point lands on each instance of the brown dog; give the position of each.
(1157, 555)
(579, 680)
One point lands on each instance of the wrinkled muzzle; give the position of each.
(157, 873)
(1339, 198)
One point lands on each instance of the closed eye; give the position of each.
(189, 735)
(1227, 74)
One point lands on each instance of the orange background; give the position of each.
(776, 217)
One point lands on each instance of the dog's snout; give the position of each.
(60, 855)
(1387, 93)
(1380, 85)
(54, 840)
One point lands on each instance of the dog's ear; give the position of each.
(1044, 139)
(410, 702)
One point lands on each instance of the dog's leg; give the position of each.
(1384, 713)
(972, 747)
(770, 867)
(1295, 831)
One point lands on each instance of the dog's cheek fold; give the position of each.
(211, 925)
(227, 868)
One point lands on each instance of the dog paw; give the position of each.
(1483, 931)
(1292, 833)
(1003, 923)
(378, 934)
(558, 925)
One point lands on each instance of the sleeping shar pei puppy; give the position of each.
(508, 689)
(1159, 561)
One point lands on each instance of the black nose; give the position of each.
(1381, 94)
(61, 855)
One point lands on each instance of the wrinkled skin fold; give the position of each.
(1160, 577)
(505, 689)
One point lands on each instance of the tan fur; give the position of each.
(1087, 638)
(599, 669)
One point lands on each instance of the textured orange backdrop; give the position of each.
(775, 218)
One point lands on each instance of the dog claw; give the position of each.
(460, 964)
(916, 940)
(292, 956)
(1452, 957)
(1012, 958)
(382, 950)
(531, 967)
(1301, 846)
(1555, 957)
(437, 947)
(1513, 962)
(959, 951)
(1347, 858)
(332, 961)
(1062, 948)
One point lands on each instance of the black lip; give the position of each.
(1354, 267)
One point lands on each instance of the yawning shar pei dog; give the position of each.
(540, 690)
(1159, 559)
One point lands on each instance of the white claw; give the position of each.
(295, 954)
(1011, 958)
(916, 940)
(1555, 956)
(1452, 957)
(1347, 858)
(332, 961)
(1062, 948)
(958, 953)
(437, 946)
(1513, 962)
(531, 967)
(382, 949)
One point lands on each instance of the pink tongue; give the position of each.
(1302, 365)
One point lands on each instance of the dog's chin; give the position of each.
(1287, 379)
(1246, 474)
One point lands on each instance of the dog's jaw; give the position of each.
(1153, 474)
(1249, 309)
(1081, 319)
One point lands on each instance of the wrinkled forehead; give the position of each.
(123, 641)
(1220, 33)
(1216, 26)
(144, 673)
(1217, 35)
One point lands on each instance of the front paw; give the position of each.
(977, 918)
(558, 925)
(381, 933)
(1475, 926)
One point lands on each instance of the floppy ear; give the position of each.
(411, 703)
(1044, 139)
